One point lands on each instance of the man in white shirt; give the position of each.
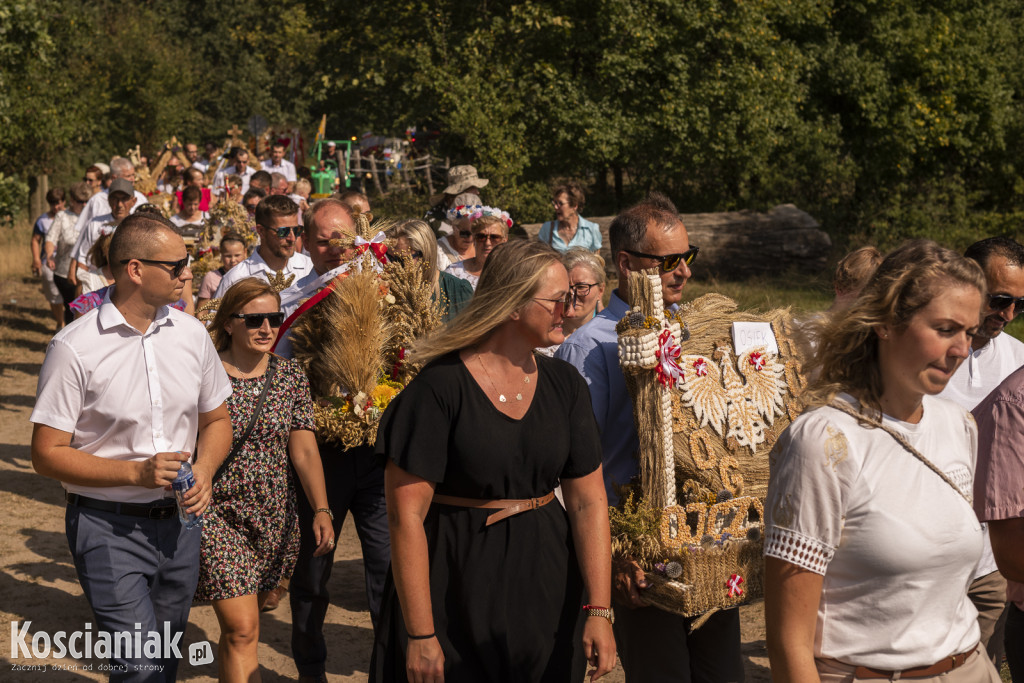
(278, 164)
(121, 200)
(277, 224)
(204, 162)
(994, 356)
(99, 204)
(240, 167)
(354, 476)
(126, 394)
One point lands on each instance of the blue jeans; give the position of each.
(138, 575)
(355, 483)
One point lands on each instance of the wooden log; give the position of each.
(373, 172)
(430, 181)
(737, 244)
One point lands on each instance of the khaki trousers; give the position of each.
(977, 669)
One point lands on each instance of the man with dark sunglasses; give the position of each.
(994, 356)
(354, 476)
(654, 645)
(277, 224)
(126, 394)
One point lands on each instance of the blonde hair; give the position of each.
(237, 296)
(478, 224)
(906, 281)
(581, 256)
(855, 269)
(422, 239)
(511, 276)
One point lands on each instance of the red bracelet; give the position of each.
(594, 607)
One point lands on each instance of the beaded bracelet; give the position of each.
(327, 510)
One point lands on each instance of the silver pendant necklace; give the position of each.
(501, 396)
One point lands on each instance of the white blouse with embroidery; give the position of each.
(897, 546)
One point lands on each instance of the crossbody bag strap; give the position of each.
(268, 378)
(844, 407)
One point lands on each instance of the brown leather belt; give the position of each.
(941, 667)
(507, 507)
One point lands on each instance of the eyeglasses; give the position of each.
(177, 267)
(254, 321)
(582, 289)
(91, 180)
(566, 301)
(669, 262)
(286, 230)
(465, 234)
(481, 237)
(998, 302)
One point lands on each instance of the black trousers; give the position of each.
(67, 293)
(355, 483)
(656, 646)
(1014, 642)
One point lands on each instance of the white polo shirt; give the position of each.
(93, 230)
(287, 169)
(99, 204)
(220, 177)
(125, 395)
(298, 265)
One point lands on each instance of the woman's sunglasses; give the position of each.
(254, 321)
(669, 262)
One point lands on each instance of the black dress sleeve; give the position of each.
(584, 436)
(414, 430)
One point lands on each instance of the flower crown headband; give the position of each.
(474, 212)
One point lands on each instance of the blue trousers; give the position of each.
(135, 571)
(355, 483)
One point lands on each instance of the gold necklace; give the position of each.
(250, 374)
(501, 396)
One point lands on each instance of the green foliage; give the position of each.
(885, 120)
(13, 198)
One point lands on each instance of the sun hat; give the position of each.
(462, 177)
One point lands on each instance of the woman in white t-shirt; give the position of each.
(871, 540)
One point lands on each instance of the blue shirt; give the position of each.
(588, 236)
(594, 351)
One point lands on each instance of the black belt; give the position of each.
(156, 510)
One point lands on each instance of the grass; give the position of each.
(15, 253)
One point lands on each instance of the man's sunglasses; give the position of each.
(669, 262)
(481, 237)
(465, 234)
(286, 230)
(998, 302)
(177, 267)
(254, 321)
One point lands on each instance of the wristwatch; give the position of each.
(595, 611)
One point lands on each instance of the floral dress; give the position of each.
(251, 528)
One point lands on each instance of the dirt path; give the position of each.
(37, 578)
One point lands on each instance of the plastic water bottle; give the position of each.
(181, 484)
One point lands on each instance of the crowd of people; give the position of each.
(894, 519)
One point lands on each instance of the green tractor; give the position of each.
(331, 166)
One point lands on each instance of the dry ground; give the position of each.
(37, 578)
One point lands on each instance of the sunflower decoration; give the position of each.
(352, 342)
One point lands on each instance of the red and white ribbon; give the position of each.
(700, 367)
(757, 360)
(668, 353)
(734, 585)
(377, 247)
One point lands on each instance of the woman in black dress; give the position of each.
(484, 589)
